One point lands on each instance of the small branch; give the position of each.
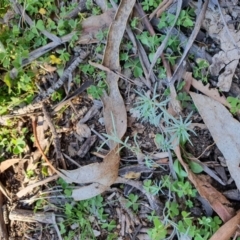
(56, 141)
(3, 228)
(34, 126)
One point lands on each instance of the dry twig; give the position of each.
(56, 140)
(34, 125)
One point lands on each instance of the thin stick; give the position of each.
(34, 126)
(3, 229)
(56, 141)
(157, 9)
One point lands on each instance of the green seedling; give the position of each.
(159, 231)
(82, 214)
(132, 202)
(152, 188)
(114, 138)
(180, 128)
(185, 18)
(149, 108)
(172, 209)
(163, 143)
(135, 66)
(134, 22)
(195, 167)
(201, 70)
(95, 10)
(109, 226)
(234, 103)
(184, 98)
(151, 42)
(179, 169)
(180, 187)
(97, 91)
(149, 5)
(30, 173)
(67, 189)
(102, 35)
(11, 142)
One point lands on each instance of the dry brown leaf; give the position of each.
(8, 163)
(213, 92)
(114, 108)
(92, 25)
(226, 231)
(218, 202)
(228, 58)
(224, 129)
(96, 172)
(102, 175)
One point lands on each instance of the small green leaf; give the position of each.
(178, 169)
(45, 171)
(68, 192)
(40, 25)
(7, 79)
(195, 167)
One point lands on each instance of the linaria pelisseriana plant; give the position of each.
(174, 130)
(114, 137)
(149, 108)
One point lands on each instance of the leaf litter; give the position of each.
(144, 177)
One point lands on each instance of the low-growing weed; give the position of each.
(235, 104)
(201, 70)
(124, 144)
(149, 108)
(184, 98)
(149, 5)
(97, 91)
(185, 19)
(30, 173)
(132, 202)
(12, 141)
(183, 224)
(134, 65)
(152, 188)
(159, 231)
(80, 217)
(152, 110)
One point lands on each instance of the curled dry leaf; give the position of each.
(224, 129)
(213, 92)
(92, 25)
(101, 175)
